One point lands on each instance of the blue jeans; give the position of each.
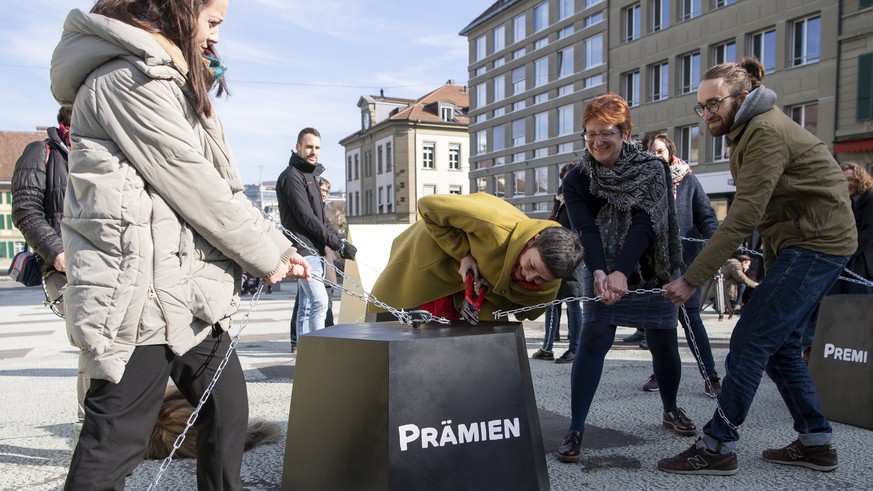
(767, 337)
(574, 323)
(701, 338)
(312, 308)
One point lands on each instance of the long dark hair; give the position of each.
(177, 21)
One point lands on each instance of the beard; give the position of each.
(724, 124)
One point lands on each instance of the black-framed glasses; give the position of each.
(711, 105)
(603, 135)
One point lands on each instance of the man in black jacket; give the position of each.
(302, 212)
(39, 184)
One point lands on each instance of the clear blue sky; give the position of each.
(291, 64)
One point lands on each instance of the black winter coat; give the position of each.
(302, 210)
(39, 184)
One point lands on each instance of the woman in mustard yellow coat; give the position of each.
(521, 260)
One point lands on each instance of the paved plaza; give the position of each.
(621, 448)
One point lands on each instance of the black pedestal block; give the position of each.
(384, 406)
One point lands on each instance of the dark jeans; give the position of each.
(574, 325)
(767, 337)
(119, 418)
(595, 340)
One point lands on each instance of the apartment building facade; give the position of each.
(406, 149)
(535, 63)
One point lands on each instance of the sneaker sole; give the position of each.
(676, 429)
(800, 463)
(561, 362)
(568, 459)
(704, 472)
(656, 389)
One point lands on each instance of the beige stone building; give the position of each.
(406, 149)
(534, 64)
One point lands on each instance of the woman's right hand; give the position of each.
(599, 282)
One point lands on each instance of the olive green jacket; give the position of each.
(425, 258)
(789, 186)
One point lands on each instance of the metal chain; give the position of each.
(191, 419)
(500, 313)
(696, 352)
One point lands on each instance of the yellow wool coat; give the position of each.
(425, 258)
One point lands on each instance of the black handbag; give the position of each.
(26, 268)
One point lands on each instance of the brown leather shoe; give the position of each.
(679, 422)
(570, 449)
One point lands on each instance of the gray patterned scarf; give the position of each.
(638, 180)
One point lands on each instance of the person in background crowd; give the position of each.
(620, 201)
(792, 190)
(735, 281)
(697, 221)
(519, 259)
(156, 233)
(570, 287)
(860, 186)
(301, 209)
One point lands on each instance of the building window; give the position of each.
(566, 32)
(541, 180)
(498, 137)
(499, 62)
(518, 183)
(720, 150)
(806, 115)
(349, 170)
(389, 198)
(723, 3)
(499, 38)
(427, 189)
(518, 137)
(541, 43)
(688, 144)
(541, 72)
(389, 157)
(594, 51)
(518, 28)
(864, 99)
(481, 70)
(518, 53)
(380, 202)
(519, 105)
(724, 52)
(660, 12)
(659, 81)
(480, 48)
(357, 202)
(764, 49)
(481, 142)
(594, 19)
(594, 81)
(356, 167)
(380, 159)
(454, 189)
(565, 90)
(630, 19)
(518, 80)
(689, 66)
(565, 120)
(481, 95)
(541, 98)
(518, 157)
(454, 156)
(500, 111)
(565, 8)
(499, 88)
(589, 3)
(565, 62)
(689, 9)
(481, 185)
(500, 186)
(806, 41)
(541, 16)
(427, 156)
(541, 126)
(447, 113)
(540, 153)
(630, 88)
(565, 148)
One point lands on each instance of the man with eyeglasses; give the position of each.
(792, 190)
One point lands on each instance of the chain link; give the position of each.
(191, 419)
